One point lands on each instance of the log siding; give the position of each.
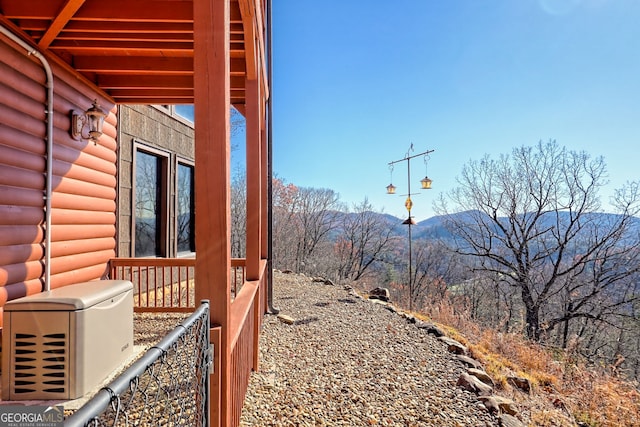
(83, 201)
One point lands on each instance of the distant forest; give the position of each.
(521, 245)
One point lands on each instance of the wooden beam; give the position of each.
(248, 18)
(133, 65)
(147, 101)
(114, 81)
(261, 54)
(157, 93)
(124, 37)
(212, 105)
(120, 45)
(41, 25)
(118, 10)
(254, 177)
(60, 21)
(264, 161)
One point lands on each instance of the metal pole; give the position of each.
(409, 224)
(270, 308)
(409, 205)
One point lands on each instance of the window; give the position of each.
(150, 203)
(185, 208)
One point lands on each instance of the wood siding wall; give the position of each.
(84, 180)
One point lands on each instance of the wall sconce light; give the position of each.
(93, 117)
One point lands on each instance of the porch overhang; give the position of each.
(138, 52)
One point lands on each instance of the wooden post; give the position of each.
(212, 105)
(264, 250)
(254, 179)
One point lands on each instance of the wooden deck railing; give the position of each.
(166, 284)
(247, 315)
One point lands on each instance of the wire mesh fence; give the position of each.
(167, 386)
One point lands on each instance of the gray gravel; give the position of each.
(349, 362)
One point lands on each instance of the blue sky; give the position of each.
(357, 82)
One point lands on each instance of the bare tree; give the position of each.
(238, 214)
(315, 217)
(284, 232)
(365, 238)
(436, 267)
(529, 218)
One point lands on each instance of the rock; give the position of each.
(490, 404)
(287, 272)
(453, 346)
(378, 301)
(356, 365)
(286, 319)
(468, 361)
(322, 280)
(430, 328)
(474, 385)
(522, 383)
(503, 404)
(507, 420)
(481, 375)
(380, 294)
(391, 308)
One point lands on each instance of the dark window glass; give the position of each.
(186, 221)
(148, 205)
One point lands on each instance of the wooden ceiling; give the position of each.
(137, 51)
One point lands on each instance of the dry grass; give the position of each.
(565, 390)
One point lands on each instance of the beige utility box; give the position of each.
(63, 343)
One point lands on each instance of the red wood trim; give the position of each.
(60, 21)
(212, 104)
(249, 33)
(152, 262)
(240, 309)
(254, 176)
(264, 202)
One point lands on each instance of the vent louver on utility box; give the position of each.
(62, 343)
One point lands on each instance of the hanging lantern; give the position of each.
(426, 183)
(391, 189)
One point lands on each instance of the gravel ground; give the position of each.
(349, 362)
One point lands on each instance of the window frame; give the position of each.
(182, 161)
(164, 163)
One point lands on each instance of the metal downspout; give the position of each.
(270, 307)
(49, 115)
